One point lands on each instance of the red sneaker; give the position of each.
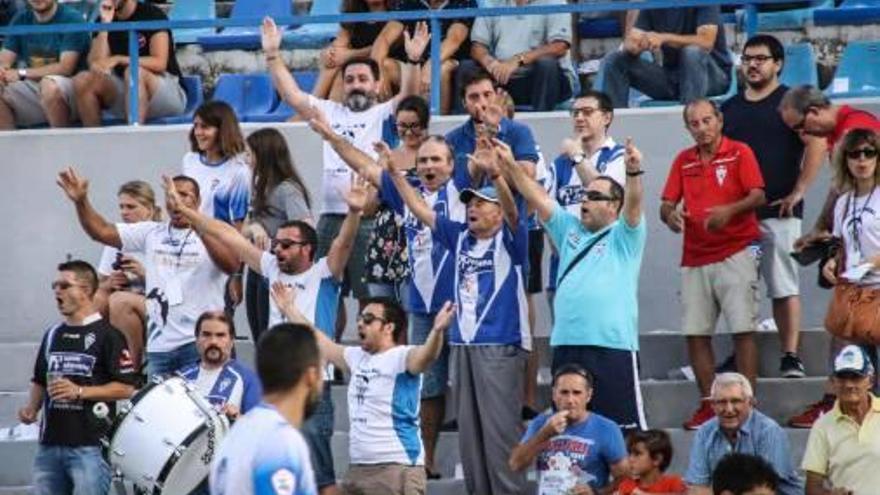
(701, 415)
(813, 412)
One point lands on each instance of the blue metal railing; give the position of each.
(432, 16)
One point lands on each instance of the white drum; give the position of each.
(165, 440)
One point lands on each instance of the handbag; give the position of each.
(854, 313)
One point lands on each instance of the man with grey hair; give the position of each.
(739, 427)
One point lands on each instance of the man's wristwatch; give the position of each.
(520, 59)
(22, 73)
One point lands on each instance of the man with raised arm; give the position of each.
(360, 119)
(185, 272)
(385, 449)
(293, 262)
(491, 336)
(596, 323)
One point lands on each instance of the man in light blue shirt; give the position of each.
(596, 306)
(738, 427)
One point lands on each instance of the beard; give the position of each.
(214, 355)
(359, 101)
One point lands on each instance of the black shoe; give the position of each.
(790, 366)
(728, 366)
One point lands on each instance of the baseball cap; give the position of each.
(852, 360)
(487, 193)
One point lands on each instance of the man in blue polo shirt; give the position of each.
(490, 337)
(596, 323)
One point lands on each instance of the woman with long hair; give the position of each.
(278, 195)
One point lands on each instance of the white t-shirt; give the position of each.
(317, 292)
(361, 129)
(263, 454)
(224, 187)
(182, 281)
(857, 221)
(383, 407)
(108, 257)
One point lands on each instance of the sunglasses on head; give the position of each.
(369, 318)
(286, 243)
(861, 153)
(598, 196)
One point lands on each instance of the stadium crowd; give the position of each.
(440, 240)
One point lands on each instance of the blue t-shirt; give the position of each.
(37, 50)
(430, 262)
(582, 455)
(598, 303)
(234, 383)
(489, 286)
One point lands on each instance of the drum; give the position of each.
(165, 440)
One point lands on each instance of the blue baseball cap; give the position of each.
(487, 193)
(852, 360)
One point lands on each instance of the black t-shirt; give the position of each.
(686, 20)
(778, 149)
(92, 354)
(118, 40)
(363, 34)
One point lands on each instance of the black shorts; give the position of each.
(535, 278)
(616, 392)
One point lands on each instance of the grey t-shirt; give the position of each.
(285, 202)
(686, 21)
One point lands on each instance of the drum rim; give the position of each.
(172, 460)
(120, 416)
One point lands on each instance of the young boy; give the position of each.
(650, 453)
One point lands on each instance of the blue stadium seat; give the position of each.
(189, 10)
(858, 74)
(194, 98)
(281, 111)
(784, 19)
(849, 12)
(247, 37)
(246, 93)
(800, 66)
(314, 35)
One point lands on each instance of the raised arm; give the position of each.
(224, 243)
(535, 195)
(340, 249)
(633, 191)
(413, 200)
(285, 298)
(410, 76)
(96, 226)
(356, 159)
(420, 357)
(524, 454)
(283, 81)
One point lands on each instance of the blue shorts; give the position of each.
(318, 430)
(167, 363)
(436, 377)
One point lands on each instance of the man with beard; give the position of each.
(385, 449)
(294, 263)
(360, 119)
(228, 385)
(711, 193)
(789, 164)
(265, 452)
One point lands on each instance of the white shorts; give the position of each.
(779, 269)
(728, 287)
(25, 99)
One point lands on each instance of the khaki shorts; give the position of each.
(168, 101)
(384, 479)
(24, 98)
(779, 269)
(728, 287)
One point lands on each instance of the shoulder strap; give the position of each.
(580, 256)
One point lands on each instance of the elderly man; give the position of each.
(843, 451)
(576, 449)
(739, 427)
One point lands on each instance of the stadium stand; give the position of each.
(247, 94)
(800, 66)
(245, 37)
(313, 35)
(848, 12)
(858, 74)
(192, 10)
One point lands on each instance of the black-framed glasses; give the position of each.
(287, 243)
(585, 112)
(862, 153)
(369, 318)
(598, 196)
(404, 127)
(759, 59)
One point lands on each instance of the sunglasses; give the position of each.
(861, 153)
(369, 318)
(598, 196)
(287, 243)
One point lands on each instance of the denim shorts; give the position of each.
(318, 430)
(436, 377)
(167, 363)
(80, 470)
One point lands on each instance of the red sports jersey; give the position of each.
(851, 118)
(666, 484)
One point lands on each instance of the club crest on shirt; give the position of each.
(574, 238)
(89, 340)
(720, 174)
(224, 384)
(283, 482)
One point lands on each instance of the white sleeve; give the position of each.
(108, 256)
(400, 359)
(839, 205)
(269, 267)
(352, 354)
(323, 268)
(326, 106)
(134, 235)
(385, 110)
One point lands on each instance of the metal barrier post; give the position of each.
(435, 65)
(133, 77)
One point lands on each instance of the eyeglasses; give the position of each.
(760, 59)
(287, 243)
(404, 127)
(861, 153)
(598, 196)
(369, 318)
(583, 112)
(63, 285)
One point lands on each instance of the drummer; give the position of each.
(227, 384)
(82, 360)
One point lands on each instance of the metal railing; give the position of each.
(434, 17)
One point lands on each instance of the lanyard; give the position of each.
(179, 254)
(856, 219)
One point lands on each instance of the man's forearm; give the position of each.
(96, 226)
(455, 36)
(554, 49)
(108, 392)
(633, 193)
(524, 454)
(481, 54)
(414, 201)
(666, 209)
(35, 396)
(751, 202)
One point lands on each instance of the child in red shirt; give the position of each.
(650, 453)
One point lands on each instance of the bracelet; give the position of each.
(79, 393)
(271, 58)
(634, 173)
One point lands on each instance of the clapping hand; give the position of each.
(172, 199)
(285, 298)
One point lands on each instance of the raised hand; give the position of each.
(172, 199)
(358, 195)
(385, 161)
(108, 11)
(556, 424)
(318, 123)
(445, 316)
(270, 36)
(632, 157)
(503, 153)
(285, 299)
(74, 186)
(415, 45)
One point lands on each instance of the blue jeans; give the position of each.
(318, 432)
(167, 363)
(70, 470)
(398, 292)
(697, 76)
